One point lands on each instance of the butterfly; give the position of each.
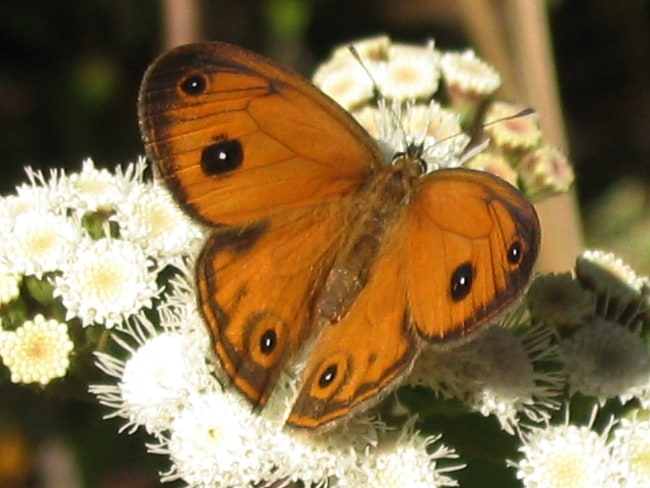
(320, 251)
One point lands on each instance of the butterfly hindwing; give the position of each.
(471, 241)
(370, 347)
(257, 287)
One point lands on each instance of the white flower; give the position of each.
(41, 194)
(344, 78)
(149, 217)
(108, 280)
(569, 456)
(410, 73)
(36, 352)
(348, 84)
(630, 445)
(469, 74)
(91, 189)
(166, 364)
(313, 459)
(511, 133)
(39, 242)
(405, 461)
(605, 359)
(158, 377)
(215, 441)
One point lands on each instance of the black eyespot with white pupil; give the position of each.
(222, 156)
(515, 253)
(461, 281)
(268, 341)
(327, 376)
(194, 85)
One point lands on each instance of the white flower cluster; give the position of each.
(88, 247)
(168, 386)
(420, 97)
(578, 455)
(95, 243)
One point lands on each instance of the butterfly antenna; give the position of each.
(478, 147)
(375, 87)
(521, 113)
(516, 115)
(377, 93)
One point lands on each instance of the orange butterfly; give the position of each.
(318, 247)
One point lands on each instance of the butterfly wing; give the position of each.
(268, 160)
(454, 257)
(472, 241)
(373, 345)
(237, 137)
(257, 287)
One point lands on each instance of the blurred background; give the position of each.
(69, 76)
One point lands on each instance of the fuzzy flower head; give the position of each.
(401, 72)
(430, 129)
(630, 445)
(608, 275)
(215, 442)
(36, 352)
(39, 242)
(493, 163)
(558, 300)
(468, 79)
(509, 133)
(91, 189)
(108, 281)
(408, 460)
(150, 217)
(565, 455)
(500, 373)
(545, 171)
(165, 365)
(605, 359)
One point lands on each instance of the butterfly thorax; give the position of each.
(374, 214)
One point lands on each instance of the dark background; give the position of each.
(69, 75)
(69, 72)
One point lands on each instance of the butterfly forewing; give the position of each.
(238, 138)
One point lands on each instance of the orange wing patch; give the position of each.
(371, 347)
(472, 243)
(257, 287)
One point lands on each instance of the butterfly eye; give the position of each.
(268, 342)
(194, 85)
(221, 157)
(514, 253)
(461, 281)
(327, 376)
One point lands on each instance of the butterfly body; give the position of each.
(319, 248)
